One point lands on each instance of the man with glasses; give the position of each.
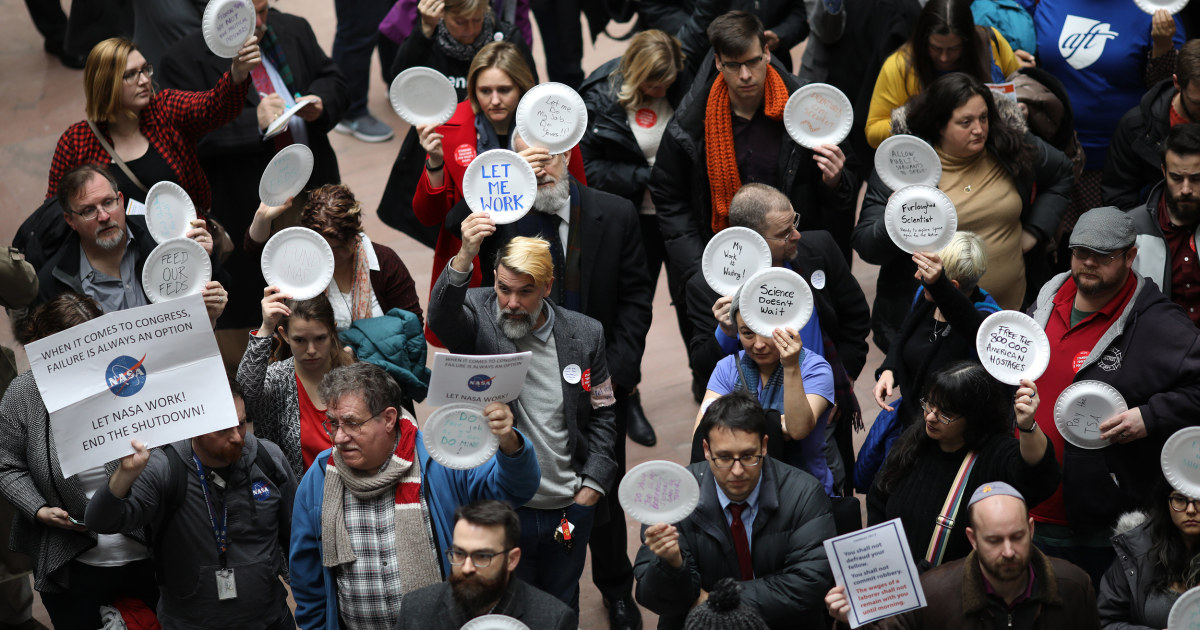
(1107, 323)
(1133, 164)
(374, 513)
(483, 558)
(758, 521)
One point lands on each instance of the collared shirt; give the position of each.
(113, 294)
(751, 507)
(756, 143)
(296, 125)
(564, 225)
(1016, 614)
(1185, 274)
(369, 589)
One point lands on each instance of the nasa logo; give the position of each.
(126, 376)
(480, 382)
(260, 490)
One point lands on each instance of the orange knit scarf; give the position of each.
(723, 177)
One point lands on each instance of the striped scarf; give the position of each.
(723, 177)
(274, 53)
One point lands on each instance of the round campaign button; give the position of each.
(572, 374)
(817, 280)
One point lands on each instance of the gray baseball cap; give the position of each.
(1105, 230)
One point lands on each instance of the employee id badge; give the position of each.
(226, 587)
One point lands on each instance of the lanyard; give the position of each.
(221, 534)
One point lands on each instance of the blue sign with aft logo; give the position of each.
(480, 382)
(126, 375)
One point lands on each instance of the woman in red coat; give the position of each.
(496, 80)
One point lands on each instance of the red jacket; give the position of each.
(431, 205)
(173, 122)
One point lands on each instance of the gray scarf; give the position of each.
(458, 50)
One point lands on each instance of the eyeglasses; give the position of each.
(735, 67)
(480, 559)
(89, 213)
(795, 227)
(131, 76)
(350, 427)
(1180, 504)
(747, 461)
(1083, 254)
(943, 418)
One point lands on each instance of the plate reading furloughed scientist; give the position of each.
(733, 255)
(775, 298)
(658, 492)
(1011, 346)
(298, 261)
(920, 219)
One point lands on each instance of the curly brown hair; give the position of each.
(333, 211)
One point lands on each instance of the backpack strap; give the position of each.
(277, 477)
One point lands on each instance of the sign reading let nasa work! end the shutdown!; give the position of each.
(152, 373)
(478, 379)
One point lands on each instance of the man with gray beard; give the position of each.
(566, 407)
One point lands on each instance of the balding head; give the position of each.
(1001, 532)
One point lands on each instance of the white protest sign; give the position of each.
(818, 114)
(152, 373)
(477, 379)
(903, 161)
(226, 25)
(731, 256)
(1011, 346)
(776, 297)
(877, 570)
(500, 183)
(458, 436)
(920, 219)
(176, 268)
(553, 116)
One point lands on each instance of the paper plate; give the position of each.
(775, 298)
(817, 114)
(299, 262)
(494, 622)
(1180, 461)
(176, 268)
(903, 161)
(226, 25)
(731, 256)
(1185, 612)
(500, 183)
(1080, 409)
(169, 211)
(658, 492)
(286, 175)
(1011, 346)
(1172, 7)
(457, 436)
(551, 115)
(920, 219)
(423, 96)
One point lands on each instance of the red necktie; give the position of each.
(262, 83)
(741, 544)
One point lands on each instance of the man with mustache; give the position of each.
(1006, 579)
(566, 407)
(1168, 222)
(220, 507)
(483, 557)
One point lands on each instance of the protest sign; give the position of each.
(500, 183)
(1012, 346)
(152, 373)
(877, 570)
(477, 379)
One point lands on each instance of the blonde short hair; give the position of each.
(652, 56)
(528, 256)
(102, 79)
(505, 56)
(964, 259)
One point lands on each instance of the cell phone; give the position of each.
(72, 519)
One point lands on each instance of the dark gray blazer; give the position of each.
(433, 608)
(465, 320)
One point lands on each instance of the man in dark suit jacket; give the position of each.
(483, 558)
(566, 407)
(293, 68)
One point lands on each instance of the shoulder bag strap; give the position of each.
(116, 158)
(945, 521)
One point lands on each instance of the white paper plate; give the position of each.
(176, 268)
(817, 114)
(226, 25)
(500, 183)
(1011, 346)
(457, 436)
(299, 262)
(658, 492)
(551, 115)
(904, 160)
(733, 255)
(423, 96)
(1080, 409)
(920, 219)
(1172, 7)
(1180, 461)
(1185, 612)
(775, 298)
(494, 622)
(286, 175)
(169, 211)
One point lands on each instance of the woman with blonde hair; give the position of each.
(144, 136)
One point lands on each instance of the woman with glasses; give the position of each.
(1158, 559)
(282, 397)
(144, 136)
(967, 433)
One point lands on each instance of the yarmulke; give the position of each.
(992, 489)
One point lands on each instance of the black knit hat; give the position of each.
(723, 610)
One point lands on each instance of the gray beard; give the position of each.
(549, 200)
(110, 244)
(517, 328)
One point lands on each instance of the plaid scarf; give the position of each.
(274, 53)
(723, 176)
(772, 391)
